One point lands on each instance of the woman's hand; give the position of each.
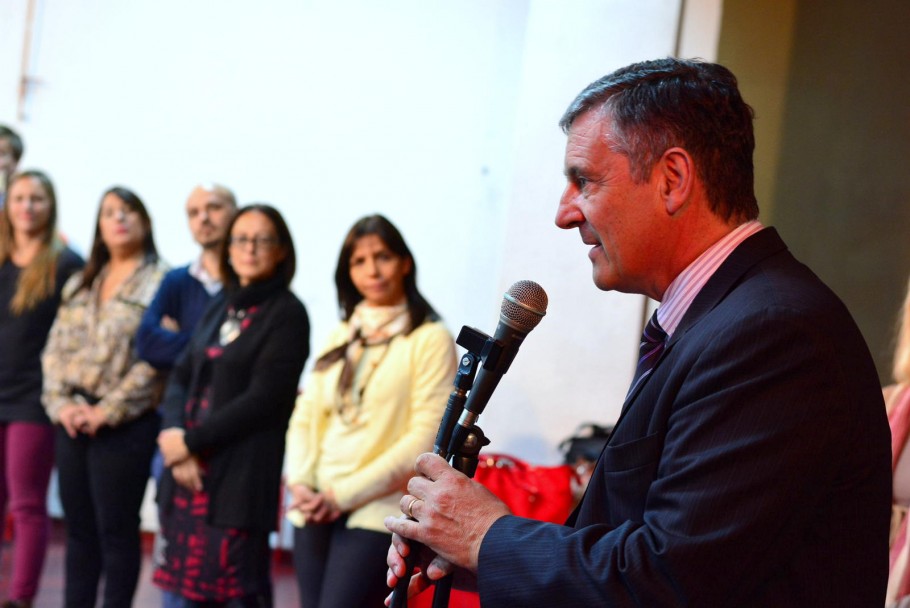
(316, 507)
(188, 474)
(300, 494)
(71, 418)
(328, 510)
(93, 418)
(173, 447)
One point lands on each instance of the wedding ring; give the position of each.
(411, 504)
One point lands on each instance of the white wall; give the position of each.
(577, 364)
(441, 115)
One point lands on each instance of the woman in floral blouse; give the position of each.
(103, 399)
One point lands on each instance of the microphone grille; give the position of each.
(524, 305)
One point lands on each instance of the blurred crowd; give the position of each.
(116, 366)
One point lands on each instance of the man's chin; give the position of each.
(210, 243)
(602, 277)
(603, 283)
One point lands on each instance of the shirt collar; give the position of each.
(211, 284)
(682, 291)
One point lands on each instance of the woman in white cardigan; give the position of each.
(371, 405)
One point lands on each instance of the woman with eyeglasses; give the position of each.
(103, 398)
(370, 407)
(225, 414)
(34, 265)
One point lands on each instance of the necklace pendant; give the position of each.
(230, 329)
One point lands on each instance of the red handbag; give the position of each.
(537, 492)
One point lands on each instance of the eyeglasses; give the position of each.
(263, 243)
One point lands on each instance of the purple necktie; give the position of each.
(653, 342)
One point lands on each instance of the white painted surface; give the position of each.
(440, 115)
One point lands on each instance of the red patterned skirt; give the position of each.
(205, 563)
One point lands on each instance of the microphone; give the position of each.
(523, 306)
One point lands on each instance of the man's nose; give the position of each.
(567, 213)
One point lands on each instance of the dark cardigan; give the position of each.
(253, 388)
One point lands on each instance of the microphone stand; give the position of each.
(461, 453)
(464, 459)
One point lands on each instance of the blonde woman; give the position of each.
(34, 265)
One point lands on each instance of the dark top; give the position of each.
(751, 468)
(22, 339)
(181, 297)
(253, 386)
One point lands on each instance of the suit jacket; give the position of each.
(253, 385)
(751, 468)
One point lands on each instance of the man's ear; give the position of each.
(677, 178)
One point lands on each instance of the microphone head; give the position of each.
(523, 306)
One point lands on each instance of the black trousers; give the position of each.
(102, 482)
(340, 567)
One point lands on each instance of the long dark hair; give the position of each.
(285, 268)
(100, 254)
(348, 296)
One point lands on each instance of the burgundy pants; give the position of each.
(26, 459)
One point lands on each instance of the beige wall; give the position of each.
(756, 42)
(828, 81)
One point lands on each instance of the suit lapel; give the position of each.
(749, 253)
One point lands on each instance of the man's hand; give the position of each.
(170, 324)
(173, 448)
(429, 567)
(452, 513)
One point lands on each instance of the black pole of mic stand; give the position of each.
(464, 459)
(473, 340)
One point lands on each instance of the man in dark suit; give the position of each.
(751, 463)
